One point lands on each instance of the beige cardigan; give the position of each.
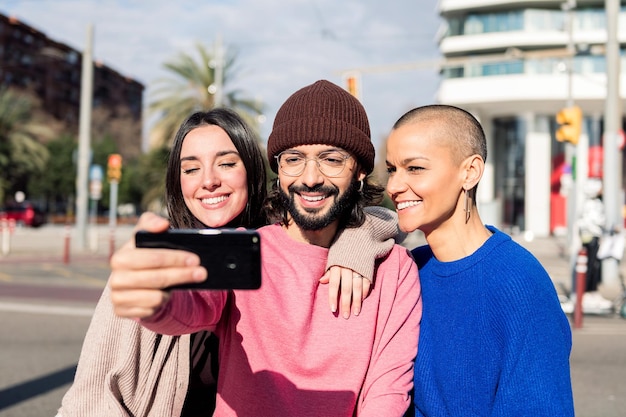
(118, 375)
(127, 370)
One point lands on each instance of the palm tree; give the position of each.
(176, 98)
(22, 153)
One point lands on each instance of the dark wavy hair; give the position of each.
(247, 145)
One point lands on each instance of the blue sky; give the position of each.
(281, 45)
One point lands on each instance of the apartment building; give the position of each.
(52, 71)
(508, 63)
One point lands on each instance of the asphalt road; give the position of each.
(39, 348)
(45, 308)
(46, 304)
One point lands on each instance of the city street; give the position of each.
(46, 304)
(45, 307)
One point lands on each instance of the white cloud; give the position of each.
(282, 45)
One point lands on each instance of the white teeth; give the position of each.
(214, 200)
(309, 198)
(406, 204)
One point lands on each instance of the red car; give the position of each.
(24, 214)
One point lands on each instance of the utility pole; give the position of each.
(84, 139)
(612, 174)
(571, 151)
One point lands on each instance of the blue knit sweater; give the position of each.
(493, 339)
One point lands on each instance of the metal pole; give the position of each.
(580, 152)
(570, 149)
(581, 276)
(93, 241)
(568, 7)
(612, 193)
(6, 237)
(113, 203)
(112, 214)
(84, 140)
(66, 244)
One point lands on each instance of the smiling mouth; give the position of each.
(312, 199)
(214, 200)
(407, 204)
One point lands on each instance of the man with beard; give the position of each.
(281, 353)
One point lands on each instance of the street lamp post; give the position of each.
(84, 140)
(572, 151)
(612, 173)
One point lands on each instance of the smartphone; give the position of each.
(232, 257)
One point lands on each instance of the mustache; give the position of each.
(322, 189)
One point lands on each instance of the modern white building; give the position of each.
(507, 63)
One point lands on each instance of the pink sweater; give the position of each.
(283, 353)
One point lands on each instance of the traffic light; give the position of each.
(114, 167)
(353, 84)
(570, 119)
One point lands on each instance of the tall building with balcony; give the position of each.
(31, 61)
(510, 64)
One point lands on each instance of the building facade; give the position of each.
(515, 65)
(51, 70)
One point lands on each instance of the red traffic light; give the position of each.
(115, 160)
(352, 82)
(114, 167)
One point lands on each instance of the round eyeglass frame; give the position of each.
(344, 157)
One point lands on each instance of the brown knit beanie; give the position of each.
(322, 114)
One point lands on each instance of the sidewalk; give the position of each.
(553, 253)
(51, 242)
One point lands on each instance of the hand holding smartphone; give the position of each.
(232, 257)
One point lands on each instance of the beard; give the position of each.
(310, 219)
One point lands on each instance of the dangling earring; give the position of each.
(361, 186)
(468, 206)
(277, 182)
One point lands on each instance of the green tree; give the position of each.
(188, 90)
(22, 132)
(57, 183)
(151, 178)
(173, 100)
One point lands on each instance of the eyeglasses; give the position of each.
(329, 163)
